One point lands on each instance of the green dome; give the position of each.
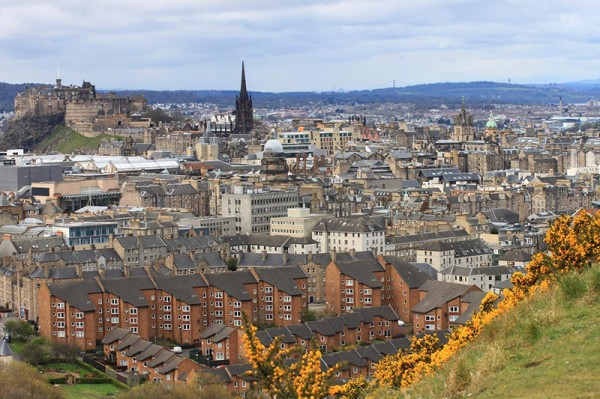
(491, 123)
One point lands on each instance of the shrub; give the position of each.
(573, 286)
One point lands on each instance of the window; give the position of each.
(167, 326)
(79, 324)
(79, 334)
(453, 309)
(114, 320)
(133, 311)
(167, 299)
(429, 318)
(186, 327)
(287, 298)
(218, 295)
(185, 309)
(114, 301)
(60, 324)
(60, 305)
(60, 315)
(61, 334)
(167, 308)
(114, 311)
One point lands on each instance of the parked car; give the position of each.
(177, 349)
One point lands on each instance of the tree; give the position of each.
(292, 373)
(37, 351)
(19, 329)
(232, 264)
(21, 381)
(65, 351)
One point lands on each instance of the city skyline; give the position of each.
(297, 46)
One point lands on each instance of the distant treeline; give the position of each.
(426, 95)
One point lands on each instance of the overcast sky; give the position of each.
(291, 45)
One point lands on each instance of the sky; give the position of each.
(291, 45)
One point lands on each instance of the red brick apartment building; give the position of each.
(390, 281)
(178, 308)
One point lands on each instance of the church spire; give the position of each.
(243, 86)
(243, 108)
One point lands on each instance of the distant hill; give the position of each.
(8, 92)
(426, 95)
(474, 93)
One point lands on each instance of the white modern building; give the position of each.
(254, 208)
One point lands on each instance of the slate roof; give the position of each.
(438, 293)
(284, 279)
(182, 287)
(362, 271)
(502, 215)
(115, 335)
(129, 289)
(412, 276)
(357, 224)
(76, 293)
(477, 271)
(460, 248)
(232, 283)
(474, 300)
(516, 255)
(5, 349)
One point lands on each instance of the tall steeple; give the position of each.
(244, 115)
(243, 86)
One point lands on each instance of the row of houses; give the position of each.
(180, 308)
(177, 308)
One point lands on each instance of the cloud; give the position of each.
(296, 45)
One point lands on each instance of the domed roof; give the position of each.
(491, 123)
(274, 146)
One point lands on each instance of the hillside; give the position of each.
(29, 131)
(547, 347)
(65, 140)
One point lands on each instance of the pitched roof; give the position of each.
(76, 293)
(284, 279)
(232, 283)
(439, 293)
(362, 271)
(357, 224)
(412, 275)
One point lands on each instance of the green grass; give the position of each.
(66, 141)
(78, 391)
(17, 346)
(547, 347)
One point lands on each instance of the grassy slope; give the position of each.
(548, 347)
(78, 391)
(66, 141)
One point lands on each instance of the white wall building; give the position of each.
(254, 208)
(359, 233)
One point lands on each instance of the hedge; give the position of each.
(57, 380)
(93, 380)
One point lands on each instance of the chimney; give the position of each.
(102, 272)
(352, 252)
(126, 270)
(263, 256)
(374, 251)
(78, 269)
(309, 256)
(7, 237)
(285, 257)
(332, 253)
